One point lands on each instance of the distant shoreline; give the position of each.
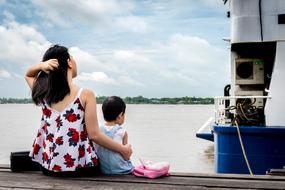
(130, 100)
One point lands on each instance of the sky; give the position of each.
(152, 48)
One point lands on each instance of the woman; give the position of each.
(63, 146)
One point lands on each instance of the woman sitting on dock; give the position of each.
(63, 146)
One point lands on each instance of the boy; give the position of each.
(114, 115)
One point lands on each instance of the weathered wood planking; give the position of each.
(35, 180)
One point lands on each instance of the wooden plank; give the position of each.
(230, 176)
(43, 182)
(39, 181)
(4, 166)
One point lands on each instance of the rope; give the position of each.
(243, 150)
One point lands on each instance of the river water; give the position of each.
(156, 132)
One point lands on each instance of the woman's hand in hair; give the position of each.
(49, 65)
(34, 70)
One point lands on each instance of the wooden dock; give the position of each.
(37, 181)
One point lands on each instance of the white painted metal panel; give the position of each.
(274, 108)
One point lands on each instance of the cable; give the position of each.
(246, 113)
(260, 20)
(243, 150)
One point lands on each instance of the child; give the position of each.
(114, 114)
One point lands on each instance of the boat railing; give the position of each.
(223, 103)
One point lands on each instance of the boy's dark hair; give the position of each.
(112, 107)
(52, 87)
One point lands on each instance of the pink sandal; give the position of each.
(151, 169)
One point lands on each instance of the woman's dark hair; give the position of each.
(112, 107)
(52, 87)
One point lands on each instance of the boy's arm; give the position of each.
(125, 138)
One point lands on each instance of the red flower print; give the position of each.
(36, 148)
(45, 157)
(59, 140)
(80, 107)
(39, 134)
(50, 137)
(58, 123)
(44, 144)
(71, 116)
(81, 151)
(44, 127)
(56, 168)
(69, 161)
(89, 149)
(91, 144)
(74, 137)
(83, 135)
(95, 161)
(51, 149)
(46, 112)
(79, 166)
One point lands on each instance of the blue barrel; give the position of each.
(264, 146)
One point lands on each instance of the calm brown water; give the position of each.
(156, 132)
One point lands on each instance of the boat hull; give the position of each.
(264, 147)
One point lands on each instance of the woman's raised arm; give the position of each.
(33, 71)
(94, 132)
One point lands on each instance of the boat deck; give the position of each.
(35, 180)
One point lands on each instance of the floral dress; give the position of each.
(62, 143)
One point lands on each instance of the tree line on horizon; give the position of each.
(129, 100)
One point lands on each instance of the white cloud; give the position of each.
(88, 62)
(180, 62)
(21, 43)
(214, 4)
(99, 14)
(4, 74)
(89, 12)
(127, 80)
(194, 62)
(129, 56)
(133, 24)
(98, 77)
(103, 78)
(85, 59)
(192, 52)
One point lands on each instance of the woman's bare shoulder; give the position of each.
(87, 94)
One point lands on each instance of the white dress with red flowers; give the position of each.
(62, 143)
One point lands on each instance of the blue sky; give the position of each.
(166, 48)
